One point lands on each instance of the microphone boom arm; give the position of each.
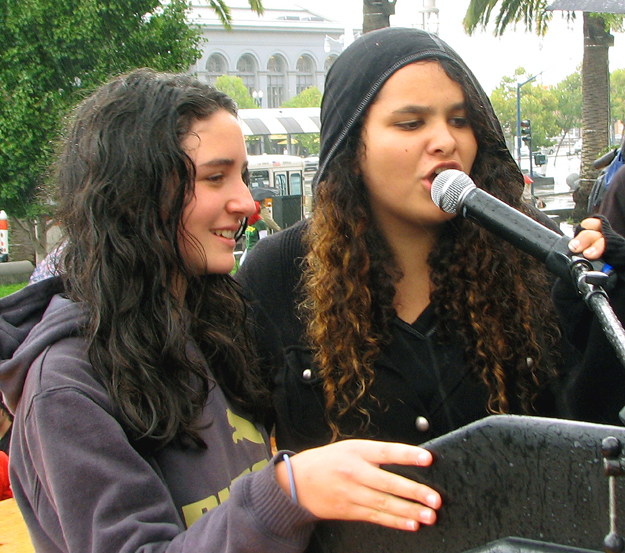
(588, 285)
(453, 191)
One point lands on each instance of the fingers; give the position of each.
(344, 481)
(388, 453)
(392, 512)
(589, 242)
(591, 223)
(392, 500)
(380, 481)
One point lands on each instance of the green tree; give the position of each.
(538, 103)
(569, 112)
(597, 40)
(503, 99)
(309, 98)
(52, 54)
(234, 87)
(617, 95)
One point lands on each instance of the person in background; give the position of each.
(613, 203)
(138, 406)
(260, 223)
(6, 422)
(49, 266)
(265, 215)
(6, 425)
(5, 484)
(255, 226)
(383, 316)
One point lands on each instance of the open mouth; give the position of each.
(230, 234)
(435, 173)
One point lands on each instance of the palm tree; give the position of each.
(223, 11)
(595, 75)
(376, 14)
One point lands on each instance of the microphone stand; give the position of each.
(590, 285)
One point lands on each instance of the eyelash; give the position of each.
(219, 177)
(458, 122)
(410, 125)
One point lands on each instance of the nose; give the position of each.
(241, 201)
(442, 140)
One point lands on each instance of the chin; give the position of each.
(221, 268)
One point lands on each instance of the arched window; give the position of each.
(246, 69)
(305, 70)
(276, 78)
(215, 67)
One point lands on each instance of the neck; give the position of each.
(413, 290)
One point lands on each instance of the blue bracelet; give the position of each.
(289, 470)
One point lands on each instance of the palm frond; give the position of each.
(532, 13)
(257, 6)
(223, 12)
(478, 14)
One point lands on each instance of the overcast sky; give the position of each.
(556, 55)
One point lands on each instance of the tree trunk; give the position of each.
(36, 229)
(595, 106)
(376, 14)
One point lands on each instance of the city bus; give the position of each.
(282, 172)
(284, 175)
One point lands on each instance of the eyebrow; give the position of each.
(217, 162)
(412, 108)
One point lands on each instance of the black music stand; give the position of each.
(510, 484)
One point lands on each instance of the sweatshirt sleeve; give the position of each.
(84, 487)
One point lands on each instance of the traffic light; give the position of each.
(526, 130)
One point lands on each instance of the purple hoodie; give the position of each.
(80, 483)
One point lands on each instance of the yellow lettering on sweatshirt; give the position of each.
(244, 429)
(194, 511)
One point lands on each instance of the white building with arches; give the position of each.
(277, 55)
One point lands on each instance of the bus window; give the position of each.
(279, 181)
(296, 183)
(259, 179)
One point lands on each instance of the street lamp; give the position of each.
(327, 46)
(518, 115)
(258, 97)
(429, 15)
(343, 41)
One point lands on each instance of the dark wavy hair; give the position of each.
(482, 294)
(124, 181)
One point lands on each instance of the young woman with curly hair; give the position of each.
(384, 316)
(138, 407)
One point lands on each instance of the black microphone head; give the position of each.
(448, 187)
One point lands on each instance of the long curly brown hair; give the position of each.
(482, 292)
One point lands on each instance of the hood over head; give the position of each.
(25, 333)
(361, 70)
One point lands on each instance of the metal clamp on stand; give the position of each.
(590, 284)
(613, 466)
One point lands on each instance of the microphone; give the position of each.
(454, 192)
